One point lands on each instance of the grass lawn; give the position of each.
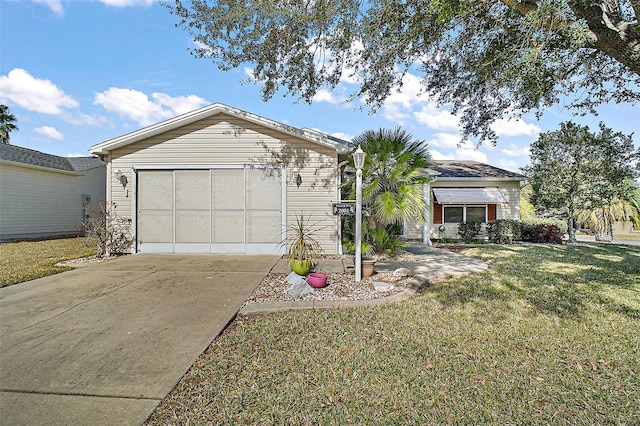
(29, 260)
(549, 335)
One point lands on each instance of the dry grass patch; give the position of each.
(28, 260)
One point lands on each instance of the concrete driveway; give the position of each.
(105, 343)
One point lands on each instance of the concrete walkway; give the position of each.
(105, 343)
(436, 263)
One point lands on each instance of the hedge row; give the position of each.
(507, 231)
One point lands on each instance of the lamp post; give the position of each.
(358, 161)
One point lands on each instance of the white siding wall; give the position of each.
(35, 202)
(226, 140)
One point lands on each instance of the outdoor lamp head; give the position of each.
(358, 158)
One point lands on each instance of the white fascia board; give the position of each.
(105, 147)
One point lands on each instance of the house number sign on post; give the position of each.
(346, 209)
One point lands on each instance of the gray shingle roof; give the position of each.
(472, 169)
(18, 154)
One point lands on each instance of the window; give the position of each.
(476, 214)
(453, 214)
(460, 214)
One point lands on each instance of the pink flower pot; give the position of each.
(317, 279)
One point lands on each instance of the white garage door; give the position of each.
(221, 210)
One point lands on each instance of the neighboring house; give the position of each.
(466, 191)
(43, 195)
(222, 180)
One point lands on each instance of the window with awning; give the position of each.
(469, 196)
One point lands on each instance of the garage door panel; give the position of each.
(193, 189)
(155, 226)
(192, 226)
(155, 189)
(227, 189)
(228, 227)
(264, 189)
(264, 227)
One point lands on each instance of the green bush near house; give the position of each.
(533, 230)
(468, 231)
(504, 231)
(28, 260)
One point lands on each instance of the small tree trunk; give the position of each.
(570, 229)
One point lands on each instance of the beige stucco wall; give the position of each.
(227, 140)
(38, 202)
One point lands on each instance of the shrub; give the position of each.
(542, 233)
(109, 232)
(561, 224)
(469, 231)
(504, 231)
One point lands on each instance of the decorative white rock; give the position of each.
(382, 287)
(402, 272)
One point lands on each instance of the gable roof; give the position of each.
(452, 169)
(209, 111)
(30, 157)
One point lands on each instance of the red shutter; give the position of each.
(437, 213)
(491, 212)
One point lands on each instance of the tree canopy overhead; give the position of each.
(484, 59)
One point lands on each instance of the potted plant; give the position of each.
(317, 279)
(302, 245)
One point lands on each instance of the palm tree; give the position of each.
(393, 180)
(6, 124)
(623, 207)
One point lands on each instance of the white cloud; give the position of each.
(137, 106)
(54, 5)
(461, 154)
(249, 73)
(437, 155)
(445, 140)
(34, 94)
(514, 150)
(127, 3)
(343, 136)
(324, 95)
(76, 155)
(470, 154)
(437, 119)
(508, 165)
(514, 127)
(180, 104)
(49, 133)
(408, 94)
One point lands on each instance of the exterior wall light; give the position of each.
(120, 177)
(296, 173)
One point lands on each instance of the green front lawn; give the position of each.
(29, 260)
(549, 335)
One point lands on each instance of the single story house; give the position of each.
(222, 180)
(44, 195)
(466, 191)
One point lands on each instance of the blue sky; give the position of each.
(78, 72)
